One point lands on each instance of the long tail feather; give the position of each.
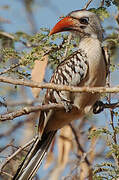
(34, 157)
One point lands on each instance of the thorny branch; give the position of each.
(79, 147)
(10, 68)
(28, 110)
(31, 45)
(57, 87)
(12, 37)
(7, 174)
(8, 145)
(85, 163)
(16, 152)
(114, 134)
(76, 138)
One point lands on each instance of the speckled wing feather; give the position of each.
(69, 72)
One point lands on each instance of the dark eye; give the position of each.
(84, 20)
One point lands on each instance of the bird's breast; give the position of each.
(96, 77)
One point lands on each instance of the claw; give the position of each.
(67, 106)
(98, 107)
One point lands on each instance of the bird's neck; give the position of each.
(91, 46)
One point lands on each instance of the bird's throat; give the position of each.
(92, 47)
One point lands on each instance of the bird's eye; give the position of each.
(84, 20)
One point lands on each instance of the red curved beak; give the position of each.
(63, 25)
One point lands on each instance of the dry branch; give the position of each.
(16, 152)
(28, 110)
(8, 145)
(8, 35)
(57, 87)
(79, 147)
(102, 3)
(87, 4)
(10, 68)
(7, 174)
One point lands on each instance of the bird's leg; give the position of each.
(98, 107)
(65, 100)
(67, 105)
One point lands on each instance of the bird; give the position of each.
(85, 67)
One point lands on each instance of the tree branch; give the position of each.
(79, 147)
(57, 87)
(28, 110)
(16, 152)
(7, 174)
(87, 4)
(10, 68)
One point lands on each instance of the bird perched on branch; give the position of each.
(85, 67)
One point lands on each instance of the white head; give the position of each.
(81, 22)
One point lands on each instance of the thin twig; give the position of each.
(10, 68)
(112, 115)
(111, 105)
(30, 16)
(102, 3)
(79, 147)
(76, 138)
(7, 174)
(8, 145)
(16, 152)
(115, 158)
(87, 4)
(117, 18)
(12, 37)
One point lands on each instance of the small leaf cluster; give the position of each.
(109, 168)
(35, 47)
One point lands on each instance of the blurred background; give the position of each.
(24, 41)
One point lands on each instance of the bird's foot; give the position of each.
(67, 106)
(98, 107)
